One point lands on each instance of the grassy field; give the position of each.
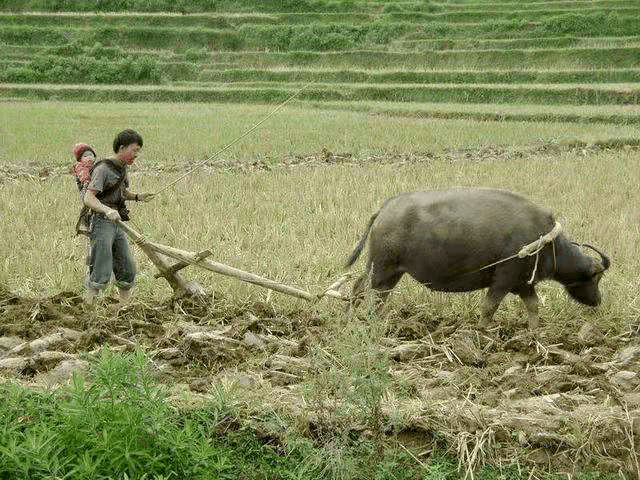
(540, 97)
(444, 52)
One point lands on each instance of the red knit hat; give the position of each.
(80, 148)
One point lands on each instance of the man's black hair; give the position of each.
(126, 138)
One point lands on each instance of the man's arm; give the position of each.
(138, 197)
(96, 205)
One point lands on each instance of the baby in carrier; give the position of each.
(85, 158)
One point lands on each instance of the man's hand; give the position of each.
(112, 215)
(145, 197)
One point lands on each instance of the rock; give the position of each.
(59, 340)
(169, 356)
(551, 404)
(245, 381)
(14, 365)
(464, 349)
(445, 376)
(625, 380)
(590, 335)
(200, 385)
(7, 343)
(48, 359)
(210, 339)
(166, 354)
(509, 394)
(408, 351)
(629, 355)
(509, 372)
(20, 349)
(63, 372)
(252, 340)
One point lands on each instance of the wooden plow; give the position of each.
(156, 251)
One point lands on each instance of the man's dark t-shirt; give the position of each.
(104, 179)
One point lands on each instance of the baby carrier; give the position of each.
(83, 177)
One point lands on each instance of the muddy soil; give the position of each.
(554, 401)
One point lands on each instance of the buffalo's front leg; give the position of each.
(530, 298)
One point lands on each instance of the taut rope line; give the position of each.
(236, 140)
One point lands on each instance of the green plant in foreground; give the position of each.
(119, 425)
(122, 426)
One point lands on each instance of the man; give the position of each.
(106, 195)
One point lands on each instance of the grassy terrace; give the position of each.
(583, 53)
(587, 94)
(524, 54)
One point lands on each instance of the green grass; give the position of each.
(507, 94)
(307, 31)
(122, 426)
(513, 43)
(187, 6)
(469, 76)
(190, 132)
(551, 59)
(621, 115)
(270, 92)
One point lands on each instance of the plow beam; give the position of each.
(179, 284)
(156, 251)
(192, 259)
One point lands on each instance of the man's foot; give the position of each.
(90, 296)
(125, 296)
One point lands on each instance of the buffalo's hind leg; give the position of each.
(491, 303)
(381, 280)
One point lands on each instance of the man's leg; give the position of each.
(101, 263)
(124, 267)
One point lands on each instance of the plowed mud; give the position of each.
(561, 402)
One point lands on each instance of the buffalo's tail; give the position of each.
(358, 250)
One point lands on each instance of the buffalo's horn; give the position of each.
(605, 260)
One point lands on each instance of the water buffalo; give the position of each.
(446, 239)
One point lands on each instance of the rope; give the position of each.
(236, 140)
(531, 249)
(539, 245)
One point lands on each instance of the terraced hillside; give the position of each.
(467, 59)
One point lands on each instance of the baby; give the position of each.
(85, 157)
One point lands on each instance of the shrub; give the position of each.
(99, 51)
(18, 75)
(195, 54)
(600, 23)
(87, 69)
(267, 36)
